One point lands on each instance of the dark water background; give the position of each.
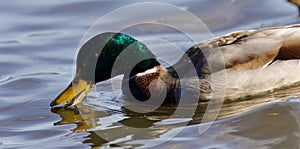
(39, 40)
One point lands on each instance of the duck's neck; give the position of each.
(156, 82)
(143, 66)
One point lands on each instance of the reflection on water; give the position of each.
(120, 127)
(38, 42)
(273, 126)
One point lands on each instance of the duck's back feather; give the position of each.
(248, 49)
(253, 61)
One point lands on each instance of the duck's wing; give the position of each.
(290, 48)
(250, 49)
(262, 47)
(196, 56)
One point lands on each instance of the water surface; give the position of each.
(39, 41)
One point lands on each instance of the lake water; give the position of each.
(38, 43)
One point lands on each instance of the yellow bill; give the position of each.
(73, 94)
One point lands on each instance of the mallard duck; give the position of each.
(254, 62)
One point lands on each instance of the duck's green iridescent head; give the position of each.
(103, 57)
